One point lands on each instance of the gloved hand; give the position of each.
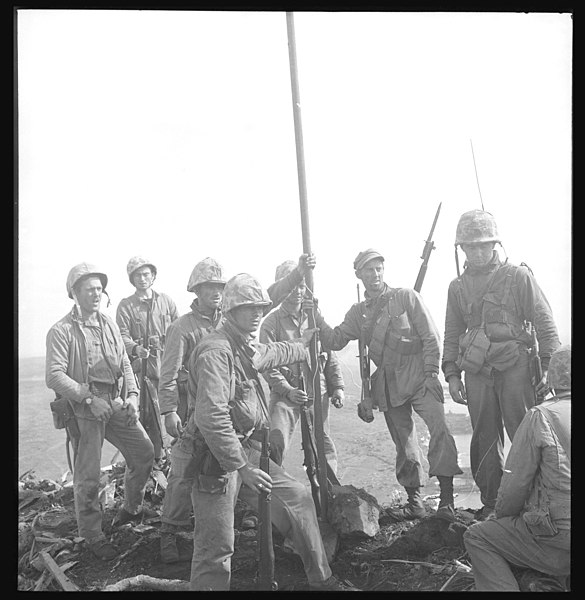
(365, 414)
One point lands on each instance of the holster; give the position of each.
(64, 417)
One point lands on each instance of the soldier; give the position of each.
(206, 282)
(287, 383)
(531, 527)
(87, 364)
(403, 342)
(131, 316)
(485, 337)
(229, 412)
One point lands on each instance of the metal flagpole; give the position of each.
(315, 365)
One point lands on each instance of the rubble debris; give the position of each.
(145, 582)
(66, 584)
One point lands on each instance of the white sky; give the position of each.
(170, 135)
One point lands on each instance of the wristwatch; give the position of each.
(89, 400)
(433, 375)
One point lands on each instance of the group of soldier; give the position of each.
(203, 374)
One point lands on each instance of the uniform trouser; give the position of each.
(442, 454)
(494, 403)
(136, 448)
(176, 510)
(495, 544)
(284, 416)
(292, 513)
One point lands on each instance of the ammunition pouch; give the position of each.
(539, 523)
(64, 417)
(473, 350)
(211, 477)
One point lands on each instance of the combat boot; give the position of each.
(169, 553)
(446, 509)
(412, 510)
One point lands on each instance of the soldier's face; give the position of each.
(210, 295)
(295, 298)
(478, 255)
(89, 295)
(372, 275)
(248, 318)
(143, 278)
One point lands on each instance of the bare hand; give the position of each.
(306, 263)
(337, 398)
(434, 386)
(457, 390)
(173, 424)
(255, 479)
(364, 413)
(297, 396)
(142, 352)
(542, 388)
(308, 335)
(100, 409)
(132, 413)
(309, 304)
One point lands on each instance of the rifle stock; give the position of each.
(265, 580)
(535, 362)
(366, 402)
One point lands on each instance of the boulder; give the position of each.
(353, 512)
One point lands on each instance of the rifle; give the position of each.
(535, 362)
(265, 579)
(426, 254)
(366, 403)
(149, 411)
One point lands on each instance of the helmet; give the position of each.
(245, 290)
(363, 257)
(206, 271)
(476, 227)
(81, 271)
(135, 263)
(559, 368)
(287, 267)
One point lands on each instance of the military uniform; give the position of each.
(532, 528)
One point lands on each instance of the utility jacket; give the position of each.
(491, 305)
(181, 338)
(281, 325)
(402, 338)
(67, 369)
(224, 385)
(537, 475)
(184, 335)
(131, 319)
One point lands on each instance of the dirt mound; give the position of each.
(427, 555)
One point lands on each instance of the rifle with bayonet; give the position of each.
(265, 579)
(149, 411)
(426, 254)
(534, 358)
(365, 407)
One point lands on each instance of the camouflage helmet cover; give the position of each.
(476, 227)
(136, 262)
(244, 290)
(82, 271)
(559, 368)
(206, 271)
(284, 269)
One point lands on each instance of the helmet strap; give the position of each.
(457, 262)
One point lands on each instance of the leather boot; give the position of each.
(413, 509)
(446, 508)
(169, 553)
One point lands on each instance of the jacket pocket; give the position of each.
(243, 407)
(410, 379)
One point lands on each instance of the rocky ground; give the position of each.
(427, 555)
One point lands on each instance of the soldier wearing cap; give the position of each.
(86, 363)
(229, 412)
(485, 337)
(207, 282)
(132, 315)
(403, 342)
(531, 527)
(291, 385)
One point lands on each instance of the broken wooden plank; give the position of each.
(66, 584)
(149, 583)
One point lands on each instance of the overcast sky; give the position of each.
(170, 135)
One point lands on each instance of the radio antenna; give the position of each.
(476, 177)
